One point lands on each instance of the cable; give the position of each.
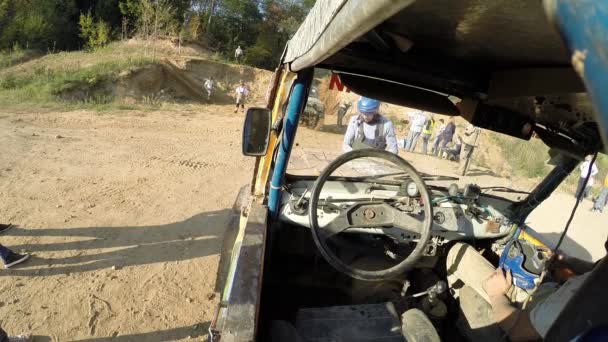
(578, 200)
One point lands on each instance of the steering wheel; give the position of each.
(371, 214)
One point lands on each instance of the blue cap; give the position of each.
(368, 106)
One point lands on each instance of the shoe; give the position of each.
(20, 338)
(13, 259)
(5, 227)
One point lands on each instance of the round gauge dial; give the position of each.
(412, 189)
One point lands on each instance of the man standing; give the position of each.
(600, 202)
(342, 110)
(445, 137)
(369, 129)
(209, 87)
(427, 131)
(241, 95)
(584, 168)
(238, 53)
(469, 142)
(417, 122)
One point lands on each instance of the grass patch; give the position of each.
(526, 158)
(65, 85)
(16, 56)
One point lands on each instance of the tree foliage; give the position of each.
(260, 27)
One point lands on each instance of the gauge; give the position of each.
(412, 189)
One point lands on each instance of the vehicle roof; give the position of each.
(503, 54)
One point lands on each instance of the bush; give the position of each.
(259, 57)
(95, 34)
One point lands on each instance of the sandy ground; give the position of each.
(124, 214)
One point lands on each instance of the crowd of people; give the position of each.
(370, 129)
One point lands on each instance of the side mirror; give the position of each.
(256, 131)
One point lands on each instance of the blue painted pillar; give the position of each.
(297, 101)
(583, 25)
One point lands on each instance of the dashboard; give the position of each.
(458, 214)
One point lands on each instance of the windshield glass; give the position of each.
(502, 165)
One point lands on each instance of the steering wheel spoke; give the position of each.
(408, 222)
(336, 226)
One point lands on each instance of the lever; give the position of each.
(433, 291)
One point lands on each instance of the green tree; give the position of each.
(95, 33)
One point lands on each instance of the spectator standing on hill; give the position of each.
(600, 201)
(427, 132)
(584, 168)
(209, 84)
(469, 142)
(417, 122)
(241, 95)
(446, 136)
(238, 53)
(10, 258)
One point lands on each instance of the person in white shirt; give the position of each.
(238, 53)
(417, 122)
(369, 129)
(241, 94)
(209, 83)
(584, 168)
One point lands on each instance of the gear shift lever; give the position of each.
(433, 291)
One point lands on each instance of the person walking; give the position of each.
(238, 53)
(369, 129)
(427, 132)
(241, 95)
(446, 136)
(584, 168)
(417, 120)
(469, 142)
(10, 258)
(600, 201)
(342, 110)
(437, 135)
(209, 84)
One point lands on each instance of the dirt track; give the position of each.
(124, 214)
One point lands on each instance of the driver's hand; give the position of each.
(498, 283)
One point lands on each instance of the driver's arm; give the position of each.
(514, 322)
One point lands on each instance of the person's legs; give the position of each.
(465, 156)
(425, 142)
(4, 252)
(435, 146)
(442, 145)
(11, 258)
(415, 137)
(408, 140)
(466, 271)
(601, 200)
(579, 187)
